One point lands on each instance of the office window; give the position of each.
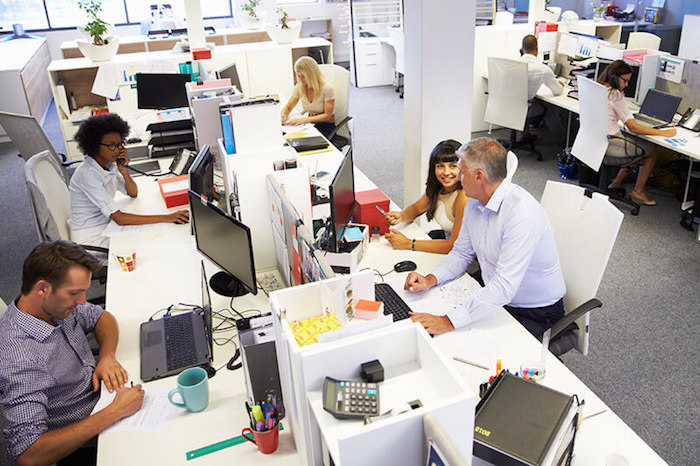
(140, 10)
(291, 2)
(66, 14)
(24, 12)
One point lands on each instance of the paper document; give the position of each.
(156, 413)
(480, 347)
(124, 230)
(175, 186)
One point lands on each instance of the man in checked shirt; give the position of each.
(49, 382)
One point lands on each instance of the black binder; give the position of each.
(307, 143)
(518, 421)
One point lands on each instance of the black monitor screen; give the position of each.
(201, 173)
(660, 105)
(342, 193)
(227, 243)
(161, 90)
(231, 73)
(206, 309)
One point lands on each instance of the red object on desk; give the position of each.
(174, 197)
(366, 211)
(201, 54)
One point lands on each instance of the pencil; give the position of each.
(471, 363)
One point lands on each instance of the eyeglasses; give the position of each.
(113, 145)
(626, 80)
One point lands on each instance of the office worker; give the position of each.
(49, 380)
(538, 74)
(443, 201)
(316, 95)
(97, 179)
(625, 150)
(510, 233)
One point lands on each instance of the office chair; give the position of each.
(507, 103)
(511, 165)
(339, 79)
(49, 199)
(643, 40)
(396, 39)
(29, 138)
(585, 226)
(591, 143)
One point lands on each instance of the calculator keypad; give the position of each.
(359, 398)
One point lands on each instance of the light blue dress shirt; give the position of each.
(92, 190)
(513, 240)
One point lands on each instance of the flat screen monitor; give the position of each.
(231, 73)
(160, 91)
(226, 242)
(206, 309)
(201, 173)
(342, 194)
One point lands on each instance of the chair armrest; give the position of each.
(95, 248)
(573, 315)
(344, 122)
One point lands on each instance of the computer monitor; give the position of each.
(160, 91)
(201, 173)
(206, 309)
(342, 195)
(227, 243)
(231, 73)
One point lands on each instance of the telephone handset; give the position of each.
(691, 120)
(181, 162)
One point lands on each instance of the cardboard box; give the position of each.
(366, 203)
(174, 190)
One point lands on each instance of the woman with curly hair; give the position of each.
(443, 201)
(102, 173)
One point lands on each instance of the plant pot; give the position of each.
(99, 52)
(252, 23)
(284, 36)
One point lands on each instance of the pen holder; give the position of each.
(266, 441)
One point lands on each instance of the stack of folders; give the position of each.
(519, 422)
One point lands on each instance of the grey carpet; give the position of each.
(644, 351)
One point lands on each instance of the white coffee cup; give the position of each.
(126, 256)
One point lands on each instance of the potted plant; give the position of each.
(252, 17)
(286, 30)
(98, 45)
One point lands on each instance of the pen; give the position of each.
(382, 211)
(466, 361)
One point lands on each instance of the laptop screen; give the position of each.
(206, 307)
(660, 105)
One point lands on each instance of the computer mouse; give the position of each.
(405, 266)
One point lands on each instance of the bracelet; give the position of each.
(413, 245)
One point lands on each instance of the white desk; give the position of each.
(168, 271)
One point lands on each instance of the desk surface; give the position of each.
(168, 271)
(691, 149)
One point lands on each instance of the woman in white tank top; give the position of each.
(443, 201)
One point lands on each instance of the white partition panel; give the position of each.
(591, 141)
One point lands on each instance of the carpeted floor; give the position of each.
(644, 350)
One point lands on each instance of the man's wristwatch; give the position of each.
(413, 245)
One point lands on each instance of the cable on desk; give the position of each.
(381, 275)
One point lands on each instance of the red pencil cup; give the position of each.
(266, 441)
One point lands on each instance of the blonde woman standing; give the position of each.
(316, 97)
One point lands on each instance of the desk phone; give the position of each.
(350, 400)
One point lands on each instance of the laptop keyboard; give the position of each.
(649, 121)
(393, 304)
(179, 341)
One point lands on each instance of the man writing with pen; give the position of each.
(49, 380)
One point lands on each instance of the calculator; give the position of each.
(350, 400)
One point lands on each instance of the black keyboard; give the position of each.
(393, 304)
(179, 341)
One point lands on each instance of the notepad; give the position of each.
(353, 234)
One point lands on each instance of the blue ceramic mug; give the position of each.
(193, 387)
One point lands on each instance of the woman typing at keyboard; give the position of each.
(625, 150)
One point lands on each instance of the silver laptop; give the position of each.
(173, 343)
(657, 109)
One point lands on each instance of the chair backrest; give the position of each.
(507, 103)
(585, 229)
(592, 139)
(27, 135)
(48, 196)
(396, 39)
(511, 165)
(338, 78)
(643, 40)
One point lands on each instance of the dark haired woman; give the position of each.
(443, 201)
(625, 150)
(99, 177)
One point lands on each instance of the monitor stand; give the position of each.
(226, 284)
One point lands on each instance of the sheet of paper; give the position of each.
(480, 347)
(671, 69)
(568, 45)
(106, 81)
(175, 186)
(156, 413)
(124, 230)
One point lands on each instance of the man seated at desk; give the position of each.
(510, 233)
(96, 181)
(49, 382)
(538, 74)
